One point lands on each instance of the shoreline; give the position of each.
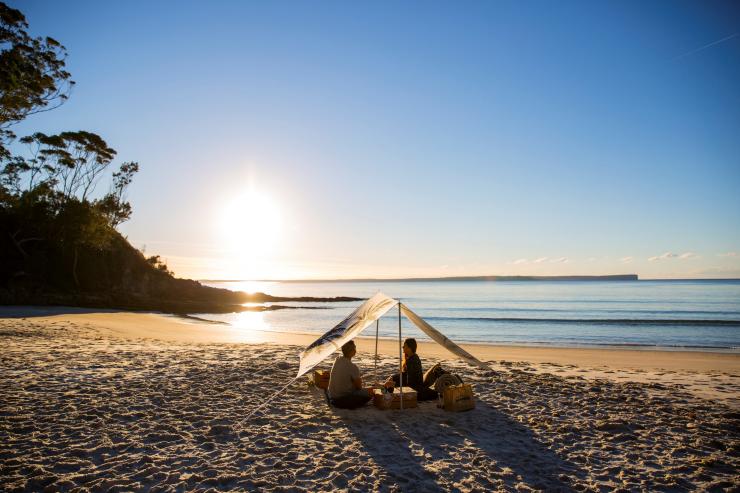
(31, 311)
(173, 328)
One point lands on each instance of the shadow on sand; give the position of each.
(31, 311)
(429, 449)
(34, 311)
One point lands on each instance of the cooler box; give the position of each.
(383, 400)
(458, 398)
(321, 378)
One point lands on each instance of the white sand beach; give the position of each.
(107, 401)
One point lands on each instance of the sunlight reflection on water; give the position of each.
(248, 321)
(248, 286)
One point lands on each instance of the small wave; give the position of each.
(606, 344)
(605, 311)
(597, 321)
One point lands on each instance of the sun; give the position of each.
(250, 225)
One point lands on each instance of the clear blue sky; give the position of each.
(397, 138)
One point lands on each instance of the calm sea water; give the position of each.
(694, 315)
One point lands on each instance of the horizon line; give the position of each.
(496, 277)
(491, 278)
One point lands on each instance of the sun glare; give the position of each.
(250, 226)
(250, 321)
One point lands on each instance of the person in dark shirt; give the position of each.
(411, 376)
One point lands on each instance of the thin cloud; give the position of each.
(560, 260)
(717, 273)
(665, 256)
(728, 254)
(539, 260)
(669, 255)
(702, 48)
(519, 261)
(626, 260)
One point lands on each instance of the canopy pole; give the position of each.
(400, 356)
(375, 371)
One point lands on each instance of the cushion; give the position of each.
(432, 374)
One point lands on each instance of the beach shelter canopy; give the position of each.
(364, 315)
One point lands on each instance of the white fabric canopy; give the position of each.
(347, 329)
(367, 313)
(440, 338)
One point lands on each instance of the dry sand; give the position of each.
(122, 402)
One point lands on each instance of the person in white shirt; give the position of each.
(345, 381)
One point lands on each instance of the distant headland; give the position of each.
(616, 277)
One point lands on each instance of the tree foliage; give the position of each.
(47, 192)
(33, 73)
(114, 205)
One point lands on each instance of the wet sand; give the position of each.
(122, 401)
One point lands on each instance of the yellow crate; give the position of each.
(321, 378)
(458, 398)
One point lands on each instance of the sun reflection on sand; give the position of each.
(250, 321)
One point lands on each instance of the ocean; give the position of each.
(698, 315)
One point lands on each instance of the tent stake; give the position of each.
(400, 356)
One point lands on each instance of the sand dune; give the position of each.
(89, 407)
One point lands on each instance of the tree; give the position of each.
(70, 162)
(61, 172)
(32, 74)
(114, 205)
(78, 226)
(46, 194)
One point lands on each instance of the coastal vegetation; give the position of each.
(59, 242)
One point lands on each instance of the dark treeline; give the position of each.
(58, 239)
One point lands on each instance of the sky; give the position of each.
(302, 140)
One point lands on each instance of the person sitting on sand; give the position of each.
(345, 382)
(412, 376)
